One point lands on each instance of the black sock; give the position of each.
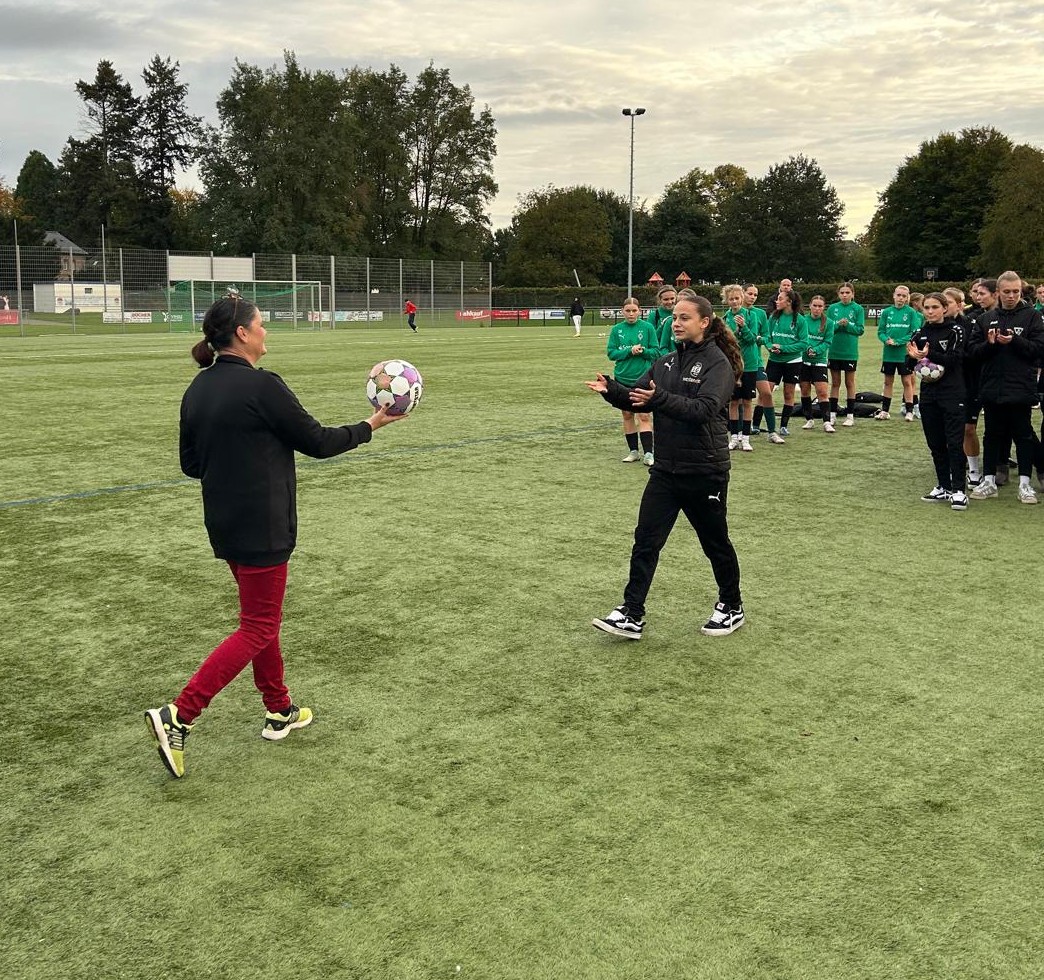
(746, 427)
(759, 414)
(834, 406)
(915, 401)
(886, 404)
(646, 438)
(824, 411)
(632, 441)
(806, 406)
(733, 426)
(909, 407)
(788, 410)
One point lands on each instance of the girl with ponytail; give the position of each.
(688, 392)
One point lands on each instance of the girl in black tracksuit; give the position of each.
(688, 392)
(940, 339)
(1008, 343)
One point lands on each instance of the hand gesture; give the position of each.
(1004, 337)
(739, 321)
(382, 417)
(916, 352)
(641, 397)
(637, 349)
(600, 385)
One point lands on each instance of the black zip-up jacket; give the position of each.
(1008, 372)
(240, 426)
(693, 388)
(946, 348)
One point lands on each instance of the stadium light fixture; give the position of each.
(630, 204)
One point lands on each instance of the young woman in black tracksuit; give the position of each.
(688, 392)
(1008, 344)
(940, 340)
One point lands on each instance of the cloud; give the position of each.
(856, 86)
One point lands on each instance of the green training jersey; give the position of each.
(661, 321)
(818, 339)
(628, 367)
(789, 332)
(746, 337)
(849, 320)
(898, 324)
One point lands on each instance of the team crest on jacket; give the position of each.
(696, 368)
(1017, 331)
(944, 344)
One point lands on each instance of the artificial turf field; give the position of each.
(850, 786)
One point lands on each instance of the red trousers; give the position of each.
(256, 642)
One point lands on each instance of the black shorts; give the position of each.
(746, 386)
(836, 365)
(789, 374)
(972, 407)
(814, 373)
(888, 369)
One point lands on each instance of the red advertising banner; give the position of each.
(8, 316)
(472, 314)
(511, 314)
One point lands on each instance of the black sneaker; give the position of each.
(170, 735)
(620, 623)
(959, 501)
(936, 495)
(723, 621)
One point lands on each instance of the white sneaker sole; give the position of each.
(722, 632)
(601, 624)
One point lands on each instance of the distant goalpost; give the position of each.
(281, 302)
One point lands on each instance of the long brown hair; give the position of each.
(716, 330)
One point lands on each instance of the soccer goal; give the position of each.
(282, 303)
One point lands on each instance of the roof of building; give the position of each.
(59, 241)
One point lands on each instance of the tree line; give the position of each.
(371, 162)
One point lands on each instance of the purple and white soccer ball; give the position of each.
(927, 371)
(395, 384)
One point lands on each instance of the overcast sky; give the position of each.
(858, 86)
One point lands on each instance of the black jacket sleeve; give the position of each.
(187, 448)
(295, 427)
(619, 396)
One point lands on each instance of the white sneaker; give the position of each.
(849, 421)
(959, 501)
(810, 424)
(745, 445)
(985, 490)
(632, 457)
(936, 495)
(829, 427)
(776, 438)
(1027, 495)
(734, 441)
(648, 459)
(917, 411)
(910, 417)
(881, 415)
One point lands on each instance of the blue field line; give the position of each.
(306, 463)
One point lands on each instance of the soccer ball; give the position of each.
(396, 384)
(927, 371)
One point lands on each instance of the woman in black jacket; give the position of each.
(1007, 343)
(688, 392)
(940, 342)
(240, 427)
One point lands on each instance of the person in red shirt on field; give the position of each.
(411, 314)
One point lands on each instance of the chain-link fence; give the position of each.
(62, 288)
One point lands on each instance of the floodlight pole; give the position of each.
(630, 204)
